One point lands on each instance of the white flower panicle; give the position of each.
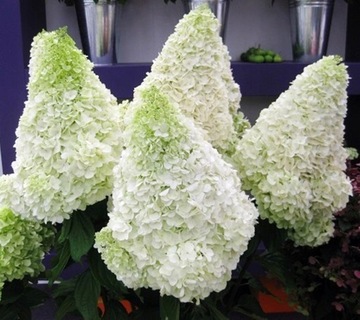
(179, 220)
(193, 70)
(68, 138)
(293, 159)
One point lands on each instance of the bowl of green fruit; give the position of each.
(260, 55)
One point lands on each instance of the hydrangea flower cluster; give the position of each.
(22, 246)
(68, 138)
(199, 80)
(179, 220)
(293, 159)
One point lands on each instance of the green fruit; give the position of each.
(270, 53)
(256, 58)
(268, 58)
(260, 51)
(277, 58)
(244, 57)
(251, 50)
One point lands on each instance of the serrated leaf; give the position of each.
(87, 293)
(169, 308)
(64, 231)
(102, 274)
(60, 262)
(81, 236)
(67, 306)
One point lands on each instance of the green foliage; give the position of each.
(327, 278)
(18, 298)
(102, 274)
(169, 308)
(114, 310)
(87, 291)
(81, 236)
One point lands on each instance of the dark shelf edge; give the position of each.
(254, 79)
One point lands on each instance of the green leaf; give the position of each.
(24, 312)
(87, 293)
(65, 231)
(272, 237)
(114, 310)
(169, 308)
(254, 282)
(98, 214)
(12, 291)
(215, 313)
(67, 306)
(33, 297)
(249, 306)
(60, 262)
(102, 274)
(8, 312)
(64, 288)
(276, 264)
(82, 235)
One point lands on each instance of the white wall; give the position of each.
(145, 25)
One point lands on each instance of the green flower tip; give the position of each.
(156, 105)
(54, 39)
(54, 53)
(156, 116)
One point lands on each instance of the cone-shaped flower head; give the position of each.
(22, 246)
(193, 70)
(68, 137)
(179, 221)
(293, 159)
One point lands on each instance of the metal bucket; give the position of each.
(97, 29)
(220, 8)
(310, 27)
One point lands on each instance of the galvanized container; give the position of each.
(310, 28)
(97, 29)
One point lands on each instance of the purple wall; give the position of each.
(12, 78)
(21, 20)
